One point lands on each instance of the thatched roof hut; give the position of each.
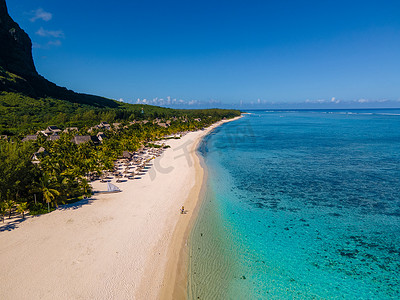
(54, 129)
(54, 137)
(101, 136)
(69, 129)
(31, 137)
(165, 125)
(127, 155)
(104, 125)
(80, 139)
(38, 154)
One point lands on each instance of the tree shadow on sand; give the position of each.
(76, 205)
(11, 225)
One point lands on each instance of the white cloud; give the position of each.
(50, 33)
(54, 43)
(323, 101)
(315, 101)
(334, 100)
(169, 101)
(320, 101)
(362, 101)
(121, 100)
(40, 14)
(36, 45)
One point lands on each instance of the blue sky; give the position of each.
(227, 53)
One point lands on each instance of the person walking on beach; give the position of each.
(182, 210)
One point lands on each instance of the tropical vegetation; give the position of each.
(65, 168)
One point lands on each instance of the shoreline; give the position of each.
(119, 245)
(175, 281)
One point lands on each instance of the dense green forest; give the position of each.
(64, 169)
(21, 115)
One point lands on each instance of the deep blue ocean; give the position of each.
(300, 205)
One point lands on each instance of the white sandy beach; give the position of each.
(114, 246)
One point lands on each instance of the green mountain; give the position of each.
(29, 102)
(18, 73)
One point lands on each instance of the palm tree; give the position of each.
(34, 188)
(72, 174)
(49, 193)
(9, 204)
(22, 208)
(86, 188)
(2, 210)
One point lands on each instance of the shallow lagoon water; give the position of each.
(300, 204)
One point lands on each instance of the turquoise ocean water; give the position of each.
(300, 205)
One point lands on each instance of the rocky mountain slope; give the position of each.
(17, 69)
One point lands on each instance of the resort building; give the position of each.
(81, 139)
(104, 125)
(127, 155)
(165, 125)
(53, 137)
(50, 130)
(70, 129)
(38, 154)
(101, 136)
(31, 137)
